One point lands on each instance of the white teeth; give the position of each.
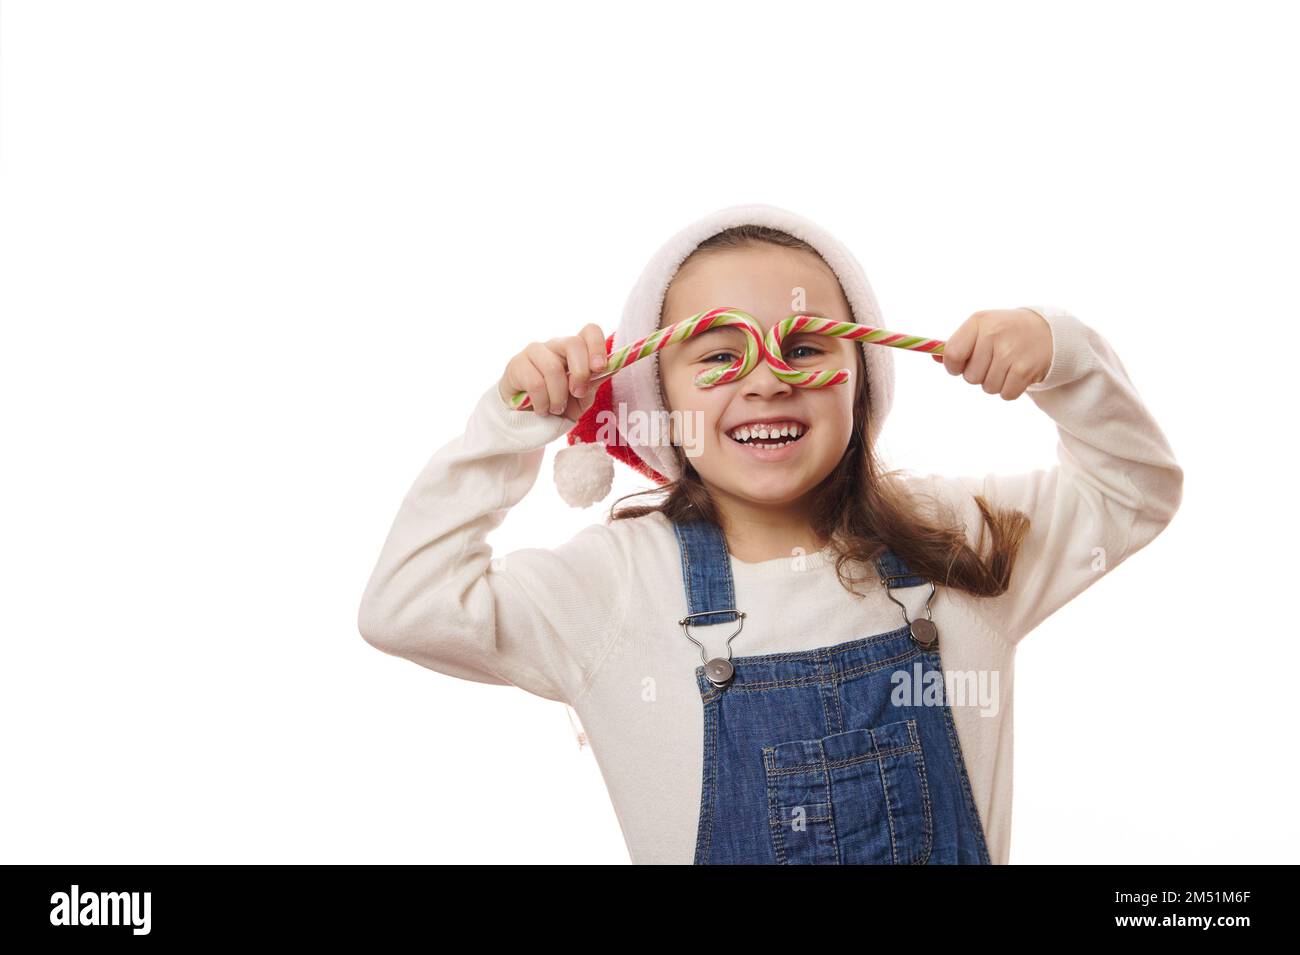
(763, 432)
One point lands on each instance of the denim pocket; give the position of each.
(856, 797)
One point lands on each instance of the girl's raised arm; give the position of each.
(1114, 488)
(536, 618)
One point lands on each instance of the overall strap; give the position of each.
(894, 572)
(706, 572)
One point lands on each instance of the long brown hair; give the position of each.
(860, 525)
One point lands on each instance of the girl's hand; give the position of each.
(1005, 350)
(555, 373)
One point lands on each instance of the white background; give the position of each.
(259, 261)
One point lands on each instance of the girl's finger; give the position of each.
(595, 339)
(957, 350)
(1015, 384)
(977, 366)
(579, 365)
(551, 365)
(996, 377)
(526, 378)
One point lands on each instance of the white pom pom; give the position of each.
(584, 473)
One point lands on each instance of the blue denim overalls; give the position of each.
(807, 759)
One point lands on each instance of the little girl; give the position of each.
(792, 655)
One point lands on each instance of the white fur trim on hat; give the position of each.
(636, 386)
(584, 474)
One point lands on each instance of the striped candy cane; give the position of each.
(816, 325)
(757, 345)
(680, 332)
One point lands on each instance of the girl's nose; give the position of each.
(763, 382)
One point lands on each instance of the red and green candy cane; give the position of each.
(757, 346)
(680, 332)
(817, 325)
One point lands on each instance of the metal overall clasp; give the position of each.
(719, 670)
(924, 632)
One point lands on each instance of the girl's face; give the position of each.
(761, 280)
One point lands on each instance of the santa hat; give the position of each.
(584, 471)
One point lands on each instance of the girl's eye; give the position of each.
(808, 348)
(722, 354)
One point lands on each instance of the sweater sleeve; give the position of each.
(536, 618)
(1114, 487)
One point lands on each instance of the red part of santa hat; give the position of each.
(589, 425)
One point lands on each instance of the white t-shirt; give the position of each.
(593, 622)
